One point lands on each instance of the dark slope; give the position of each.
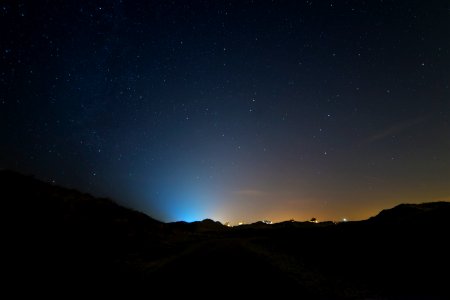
(60, 237)
(411, 214)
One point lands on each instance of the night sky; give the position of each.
(236, 110)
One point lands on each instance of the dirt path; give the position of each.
(223, 266)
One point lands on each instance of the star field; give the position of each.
(231, 110)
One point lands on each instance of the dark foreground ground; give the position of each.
(63, 243)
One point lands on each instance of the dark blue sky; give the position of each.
(236, 110)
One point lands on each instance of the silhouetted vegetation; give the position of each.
(61, 239)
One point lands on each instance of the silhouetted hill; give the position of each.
(75, 237)
(31, 200)
(61, 240)
(198, 226)
(409, 214)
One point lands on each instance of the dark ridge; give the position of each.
(198, 226)
(50, 202)
(410, 214)
(66, 237)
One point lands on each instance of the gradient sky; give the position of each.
(230, 110)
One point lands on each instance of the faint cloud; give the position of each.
(394, 130)
(250, 193)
